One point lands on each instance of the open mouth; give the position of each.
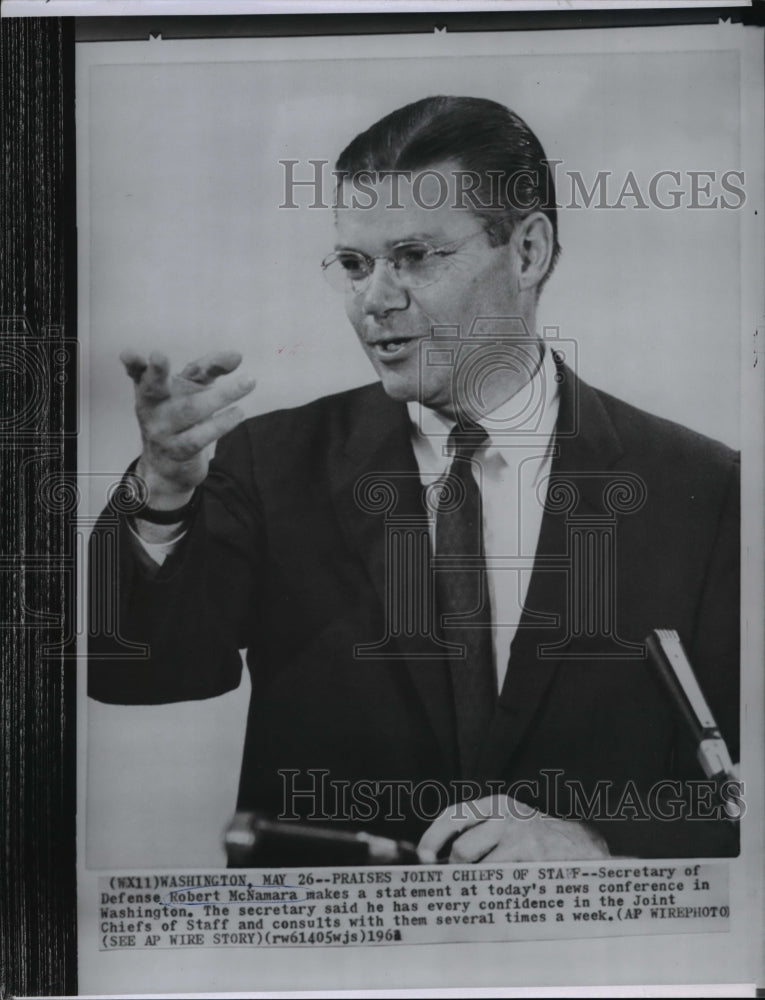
(393, 347)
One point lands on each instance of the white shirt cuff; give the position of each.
(158, 551)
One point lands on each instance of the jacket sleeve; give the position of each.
(173, 633)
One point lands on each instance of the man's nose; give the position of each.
(383, 293)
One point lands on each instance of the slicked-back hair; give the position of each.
(486, 140)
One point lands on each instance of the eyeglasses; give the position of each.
(414, 264)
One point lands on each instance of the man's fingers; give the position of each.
(188, 410)
(442, 829)
(545, 838)
(205, 370)
(508, 850)
(155, 381)
(478, 841)
(151, 377)
(457, 818)
(135, 364)
(188, 444)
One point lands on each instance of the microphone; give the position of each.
(254, 840)
(675, 672)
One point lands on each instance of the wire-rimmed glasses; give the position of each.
(413, 263)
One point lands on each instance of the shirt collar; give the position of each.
(531, 411)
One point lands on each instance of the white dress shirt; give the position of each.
(514, 466)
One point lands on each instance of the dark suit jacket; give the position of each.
(286, 557)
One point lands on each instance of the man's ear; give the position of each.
(533, 241)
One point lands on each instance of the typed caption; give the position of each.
(419, 905)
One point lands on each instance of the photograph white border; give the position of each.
(708, 958)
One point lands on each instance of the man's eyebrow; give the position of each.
(418, 237)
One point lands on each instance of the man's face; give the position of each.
(393, 322)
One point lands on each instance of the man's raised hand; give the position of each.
(180, 416)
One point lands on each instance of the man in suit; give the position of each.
(442, 580)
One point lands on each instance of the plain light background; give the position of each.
(188, 250)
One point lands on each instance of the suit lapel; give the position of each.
(378, 497)
(585, 443)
